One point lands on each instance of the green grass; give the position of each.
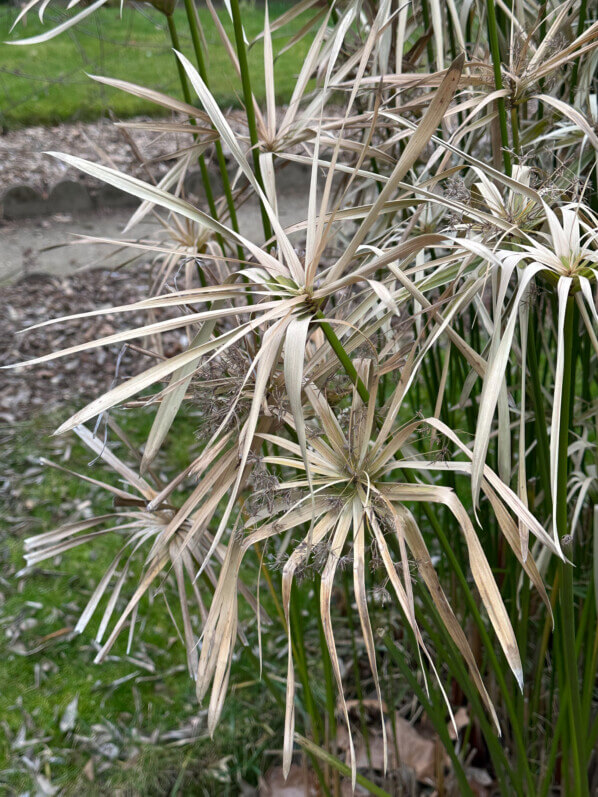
(37, 687)
(47, 84)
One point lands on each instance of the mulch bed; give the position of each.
(136, 152)
(23, 159)
(37, 297)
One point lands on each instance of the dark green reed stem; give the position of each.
(300, 659)
(581, 19)
(343, 358)
(567, 605)
(543, 647)
(249, 109)
(301, 664)
(590, 680)
(429, 46)
(543, 446)
(194, 27)
(550, 766)
(328, 676)
(205, 177)
(500, 103)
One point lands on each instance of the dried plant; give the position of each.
(402, 384)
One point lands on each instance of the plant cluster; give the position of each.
(396, 395)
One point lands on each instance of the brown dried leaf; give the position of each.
(299, 783)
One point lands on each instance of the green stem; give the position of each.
(590, 680)
(429, 46)
(205, 177)
(522, 631)
(343, 358)
(543, 445)
(542, 648)
(549, 776)
(580, 23)
(194, 27)
(249, 109)
(301, 664)
(500, 103)
(567, 607)
(328, 681)
(310, 703)
(593, 734)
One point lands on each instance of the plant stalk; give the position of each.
(567, 605)
(581, 19)
(205, 177)
(500, 103)
(249, 109)
(543, 446)
(193, 21)
(343, 358)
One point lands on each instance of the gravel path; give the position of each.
(49, 244)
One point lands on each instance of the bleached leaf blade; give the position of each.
(50, 34)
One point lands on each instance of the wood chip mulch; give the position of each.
(83, 376)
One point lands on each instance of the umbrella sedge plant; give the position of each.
(397, 392)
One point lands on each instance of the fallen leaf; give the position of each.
(409, 748)
(300, 783)
(461, 721)
(69, 718)
(88, 771)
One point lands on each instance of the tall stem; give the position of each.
(249, 109)
(194, 27)
(205, 178)
(500, 103)
(344, 359)
(567, 607)
(429, 46)
(543, 457)
(580, 23)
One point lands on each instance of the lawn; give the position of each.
(47, 83)
(137, 726)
